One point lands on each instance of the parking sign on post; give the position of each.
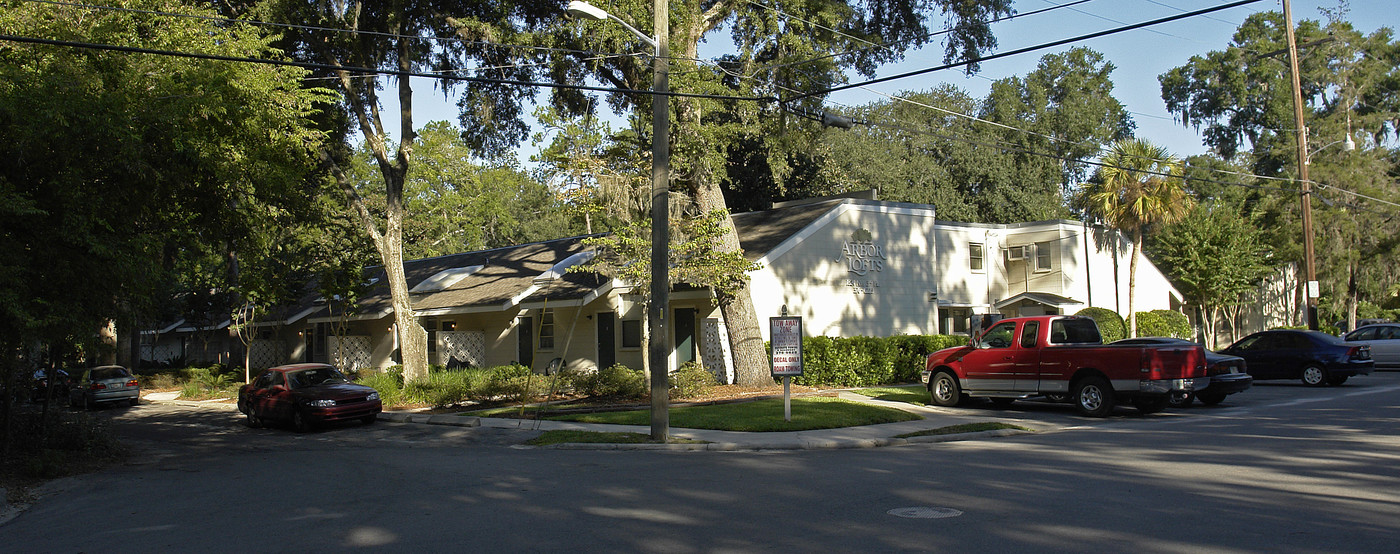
(785, 334)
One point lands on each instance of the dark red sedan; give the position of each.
(306, 395)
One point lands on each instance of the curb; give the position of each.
(805, 445)
(429, 419)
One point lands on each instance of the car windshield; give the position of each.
(313, 377)
(102, 373)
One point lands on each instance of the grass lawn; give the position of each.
(913, 394)
(759, 416)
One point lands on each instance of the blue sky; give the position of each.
(1139, 55)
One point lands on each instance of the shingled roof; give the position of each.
(761, 232)
(485, 280)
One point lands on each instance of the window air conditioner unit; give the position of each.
(1017, 252)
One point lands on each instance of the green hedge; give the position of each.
(1111, 324)
(868, 361)
(1163, 323)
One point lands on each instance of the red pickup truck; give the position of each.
(1063, 357)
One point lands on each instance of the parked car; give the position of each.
(39, 385)
(1342, 324)
(1313, 356)
(108, 383)
(306, 395)
(1384, 340)
(1050, 356)
(1227, 374)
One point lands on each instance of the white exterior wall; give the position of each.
(958, 284)
(844, 285)
(810, 275)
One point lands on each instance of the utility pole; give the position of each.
(1310, 291)
(660, 359)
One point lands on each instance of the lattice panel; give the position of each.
(161, 353)
(350, 353)
(267, 353)
(715, 350)
(462, 348)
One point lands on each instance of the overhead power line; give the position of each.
(301, 27)
(1042, 46)
(887, 46)
(369, 70)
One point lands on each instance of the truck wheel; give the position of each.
(1314, 375)
(1093, 396)
(1151, 404)
(1211, 399)
(943, 389)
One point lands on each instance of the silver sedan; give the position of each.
(1384, 339)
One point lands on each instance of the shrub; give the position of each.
(1110, 324)
(206, 382)
(618, 380)
(390, 387)
(1163, 323)
(691, 380)
(514, 383)
(868, 361)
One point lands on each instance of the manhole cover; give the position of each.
(924, 512)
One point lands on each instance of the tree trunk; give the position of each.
(108, 335)
(745, 336)
(413, 339)
(1132, 286)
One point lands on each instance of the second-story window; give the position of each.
(1042, 255)
(974, 256)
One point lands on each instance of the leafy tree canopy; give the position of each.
(122, 175)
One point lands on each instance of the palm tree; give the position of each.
(1139, 186)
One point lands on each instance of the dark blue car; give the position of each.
(1315, 357)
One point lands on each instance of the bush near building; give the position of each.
(868, 361)
(1111, 325)
(1163, 323)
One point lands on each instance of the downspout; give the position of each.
(1088, 275)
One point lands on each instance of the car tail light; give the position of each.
(1359, 353)
(132, 383)
(98, 386)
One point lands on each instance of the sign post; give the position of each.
(786, 339)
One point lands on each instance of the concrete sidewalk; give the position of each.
(867, 436)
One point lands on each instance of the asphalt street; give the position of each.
(1280, 468)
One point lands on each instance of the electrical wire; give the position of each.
(1111, 20)
(371, 71)
(927, 36)
(1018, 51)
(299, 27)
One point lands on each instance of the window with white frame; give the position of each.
(547, 329)
(1042, 255)
(974, 256)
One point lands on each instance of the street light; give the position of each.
(660, 213)
(1347, 146)
(589, 11)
